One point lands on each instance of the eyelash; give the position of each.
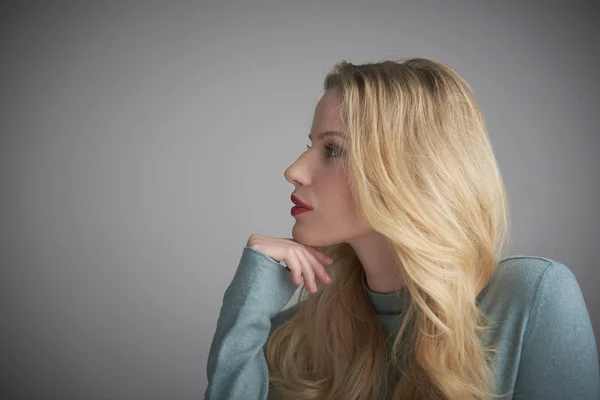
(329, 148)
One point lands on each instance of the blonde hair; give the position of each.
(422, 173)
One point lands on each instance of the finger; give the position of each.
(309, 275)
(307, 271)
(295, 267)
(323, 259)
(318, 268)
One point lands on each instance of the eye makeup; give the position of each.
(331, 150)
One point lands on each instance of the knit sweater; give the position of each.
(539, 321)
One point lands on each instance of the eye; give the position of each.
(330, 151)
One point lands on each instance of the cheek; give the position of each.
(340, 203)
(341, 221)
(335, 220)
(342, 207)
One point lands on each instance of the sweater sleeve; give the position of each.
(559, 358)
(236, 367)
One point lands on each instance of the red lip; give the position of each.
(299, 202)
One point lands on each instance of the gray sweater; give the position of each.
(545, 342)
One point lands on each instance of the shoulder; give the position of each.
(524, 278)
(530, 270)
(543, 329)
(522, 285)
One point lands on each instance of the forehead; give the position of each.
(328, 112)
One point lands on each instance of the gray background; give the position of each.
(142, 143)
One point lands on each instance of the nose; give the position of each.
(297, 173)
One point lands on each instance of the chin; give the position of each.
(301, 236)
(307, 237)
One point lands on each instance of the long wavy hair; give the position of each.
(422, 173)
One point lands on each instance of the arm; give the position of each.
(559, 358)
(236, 367)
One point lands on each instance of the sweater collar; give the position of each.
(386, 303)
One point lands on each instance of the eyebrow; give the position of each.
(327, 133)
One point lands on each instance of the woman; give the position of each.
(399, 243)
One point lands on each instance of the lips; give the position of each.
(300, 203)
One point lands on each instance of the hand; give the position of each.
(304, 262)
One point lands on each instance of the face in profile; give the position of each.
(320, 180)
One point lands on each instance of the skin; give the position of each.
(320, 180)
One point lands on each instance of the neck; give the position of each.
(380, 263)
